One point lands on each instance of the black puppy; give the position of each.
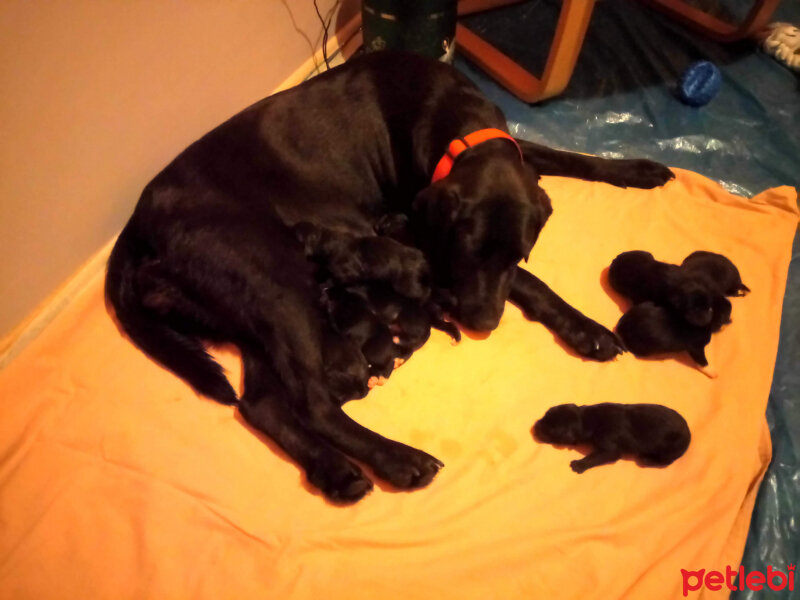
(654, 434)
(410, 321)
(638, 276)
(648, 329)
(396, 279)
(347, 371)
(340, 151)
(719, 271)
(353, 317)
(347, 258)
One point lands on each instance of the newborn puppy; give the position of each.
(349, 259)
(352, 316)
(654, 434)
(346, 370)
(640, 277)
(719, 271)
(648, 329)
(409, 321)
(411, 329)
(396, 226)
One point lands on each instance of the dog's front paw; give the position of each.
(578, 466)
(406, 467)
(641, 173)
(339, 480)
(591, 340)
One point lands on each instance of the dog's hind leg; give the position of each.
(149, 320)
(638, 173)
(264, 406)
(539, 303)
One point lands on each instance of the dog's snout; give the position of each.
(480, 320)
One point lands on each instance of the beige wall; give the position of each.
(97, 95)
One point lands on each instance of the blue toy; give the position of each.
(699, 83)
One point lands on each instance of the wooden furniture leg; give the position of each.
(570, 31)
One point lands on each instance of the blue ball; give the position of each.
(699, 83)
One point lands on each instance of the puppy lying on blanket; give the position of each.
(638, 276)
(717, 270)
(678, 307)
(648, 329)
(383, 134)
(653, 434)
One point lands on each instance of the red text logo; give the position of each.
(773, 579)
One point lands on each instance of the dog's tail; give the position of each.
(184, 355)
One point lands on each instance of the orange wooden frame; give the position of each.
(573, 22)
(570, 30)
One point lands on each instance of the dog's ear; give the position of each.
(540, 210)
(526, 247)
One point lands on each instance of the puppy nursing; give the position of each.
(377, 298)
(676, 307)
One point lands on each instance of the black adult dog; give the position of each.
(210, 254)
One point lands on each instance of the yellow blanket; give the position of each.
(117, 481)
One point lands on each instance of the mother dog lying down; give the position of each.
(210, 254)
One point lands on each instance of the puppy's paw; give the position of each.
(591, 340)
(406, 467)
(339, 480)
(640, 173)
(577, 466)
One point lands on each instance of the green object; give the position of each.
(426, 27)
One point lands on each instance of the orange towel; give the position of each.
(116, 481)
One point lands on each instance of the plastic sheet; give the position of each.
(621, 102)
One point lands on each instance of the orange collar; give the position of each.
(459, 145)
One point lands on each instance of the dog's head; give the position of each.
(476, 224)
(560, 425)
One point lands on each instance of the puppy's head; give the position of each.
(721, 310)
(379, 351)
(693, 299)
(412, 326)
(476, 224)
(405, 267)
(346, 369)
(560, 425)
